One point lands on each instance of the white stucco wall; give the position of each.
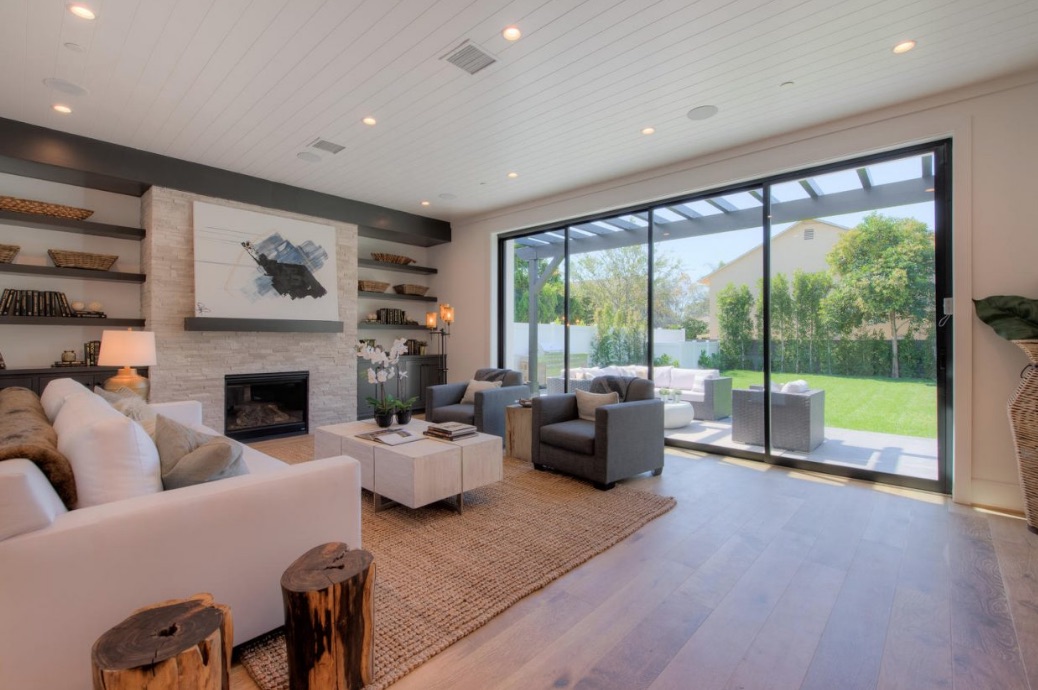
(995, 146)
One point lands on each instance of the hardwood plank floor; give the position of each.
(765, 578)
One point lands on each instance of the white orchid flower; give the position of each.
(382, 376)
(371, 376)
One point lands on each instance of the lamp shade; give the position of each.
(447, 313)
(127, 349)
(430, 320)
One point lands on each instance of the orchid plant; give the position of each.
(384, 366)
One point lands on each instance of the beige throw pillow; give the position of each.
(474, 387)
(190, 457)
(587, 403)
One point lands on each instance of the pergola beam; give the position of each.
(865, 178)
(812, 188)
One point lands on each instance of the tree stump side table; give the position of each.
(328, 594)
(180, 644)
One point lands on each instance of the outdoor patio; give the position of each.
(910, 456)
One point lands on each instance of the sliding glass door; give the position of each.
(794, 320)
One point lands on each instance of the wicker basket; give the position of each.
(95, 262)
(42, 208)
(406, 289)
(8, 252)
(371, 286)
(391, 258)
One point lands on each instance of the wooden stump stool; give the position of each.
(177, 644)
(329, 618)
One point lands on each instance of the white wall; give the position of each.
(995, 146)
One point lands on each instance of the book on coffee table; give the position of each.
(450, 430)
(390, 437)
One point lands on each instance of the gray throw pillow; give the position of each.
(588, 402)
(189, 457)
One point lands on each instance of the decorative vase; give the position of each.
(1023, 420)
(384, 419)
(403, 416)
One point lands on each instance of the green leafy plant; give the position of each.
(1011, 316)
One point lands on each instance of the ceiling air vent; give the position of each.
(469, 57)
(809, 233)
(325, 145)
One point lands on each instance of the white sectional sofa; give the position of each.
(68, 576)
(708, 391)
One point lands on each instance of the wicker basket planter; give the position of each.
(42, 208)
(391, 258)
(1023, 420)
(63, 258)
(371, 286)
(8, 252)
(407, 289)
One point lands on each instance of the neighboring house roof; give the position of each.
(791, 231)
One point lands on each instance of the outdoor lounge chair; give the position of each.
(797, 419)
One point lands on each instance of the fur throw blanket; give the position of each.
(26, 433)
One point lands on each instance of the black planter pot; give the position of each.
(384, 420)
(403, 416)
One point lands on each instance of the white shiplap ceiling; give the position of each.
(247, 84)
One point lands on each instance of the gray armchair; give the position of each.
(443, 402)
(797, 419)
(624, 440)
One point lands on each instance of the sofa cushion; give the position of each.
(55, 393)
(189, 457)
(26, 433)
(661, 376)
(475, 387)
(28, 502)
(112, 457)
(465, 414)
(588, 402)
(83, 410)
(129, 403)
(576, 435)
(798, 386)
(683, 379)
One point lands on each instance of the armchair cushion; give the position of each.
(469, 398)
(455, 413)
(588, 402)
(576, 435)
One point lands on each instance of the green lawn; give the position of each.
(893, 406)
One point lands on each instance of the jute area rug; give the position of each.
(440, 575)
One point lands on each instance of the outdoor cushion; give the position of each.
(798, 386)
(576, 435)
(684, 379)
(661, 376)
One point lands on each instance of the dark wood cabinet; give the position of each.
(37, 379)
(422, 371)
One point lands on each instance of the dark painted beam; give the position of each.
(47, 154)
(192, 323)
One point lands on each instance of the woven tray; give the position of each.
(8, 252)
(42, 208)
(371, 286)
(95, 262)
(391, 258)
(407, 289)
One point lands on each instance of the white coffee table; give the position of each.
(677, 414)
(418, 473)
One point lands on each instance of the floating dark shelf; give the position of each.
(81, 227)
(79, 273)
(192, 323)
(395, 326)
(393, 295)
(400, 268)
(66, 321)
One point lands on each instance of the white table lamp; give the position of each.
(127, 349)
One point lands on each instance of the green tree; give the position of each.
(808, 318)
(694, 328)
(735, 323)
(884, 271)
(550, 299)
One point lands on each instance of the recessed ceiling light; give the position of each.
(904, 47)
(65, 86)
(425, 202)
(786, 84)
(513, 175)
(61, 108)
(82, 11)
(928, 190)
(512, 33)
(370, 121)
(649, 130)
(75, 47)
(703, 112)
(308, 156)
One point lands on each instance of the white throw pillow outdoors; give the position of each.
(683, 379)
(587, 402)
(798, 386)
(476, 386)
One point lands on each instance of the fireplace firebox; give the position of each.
(266, 405)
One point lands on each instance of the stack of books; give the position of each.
(450, 431)
(34, 303)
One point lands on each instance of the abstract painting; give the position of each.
(251, 265)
